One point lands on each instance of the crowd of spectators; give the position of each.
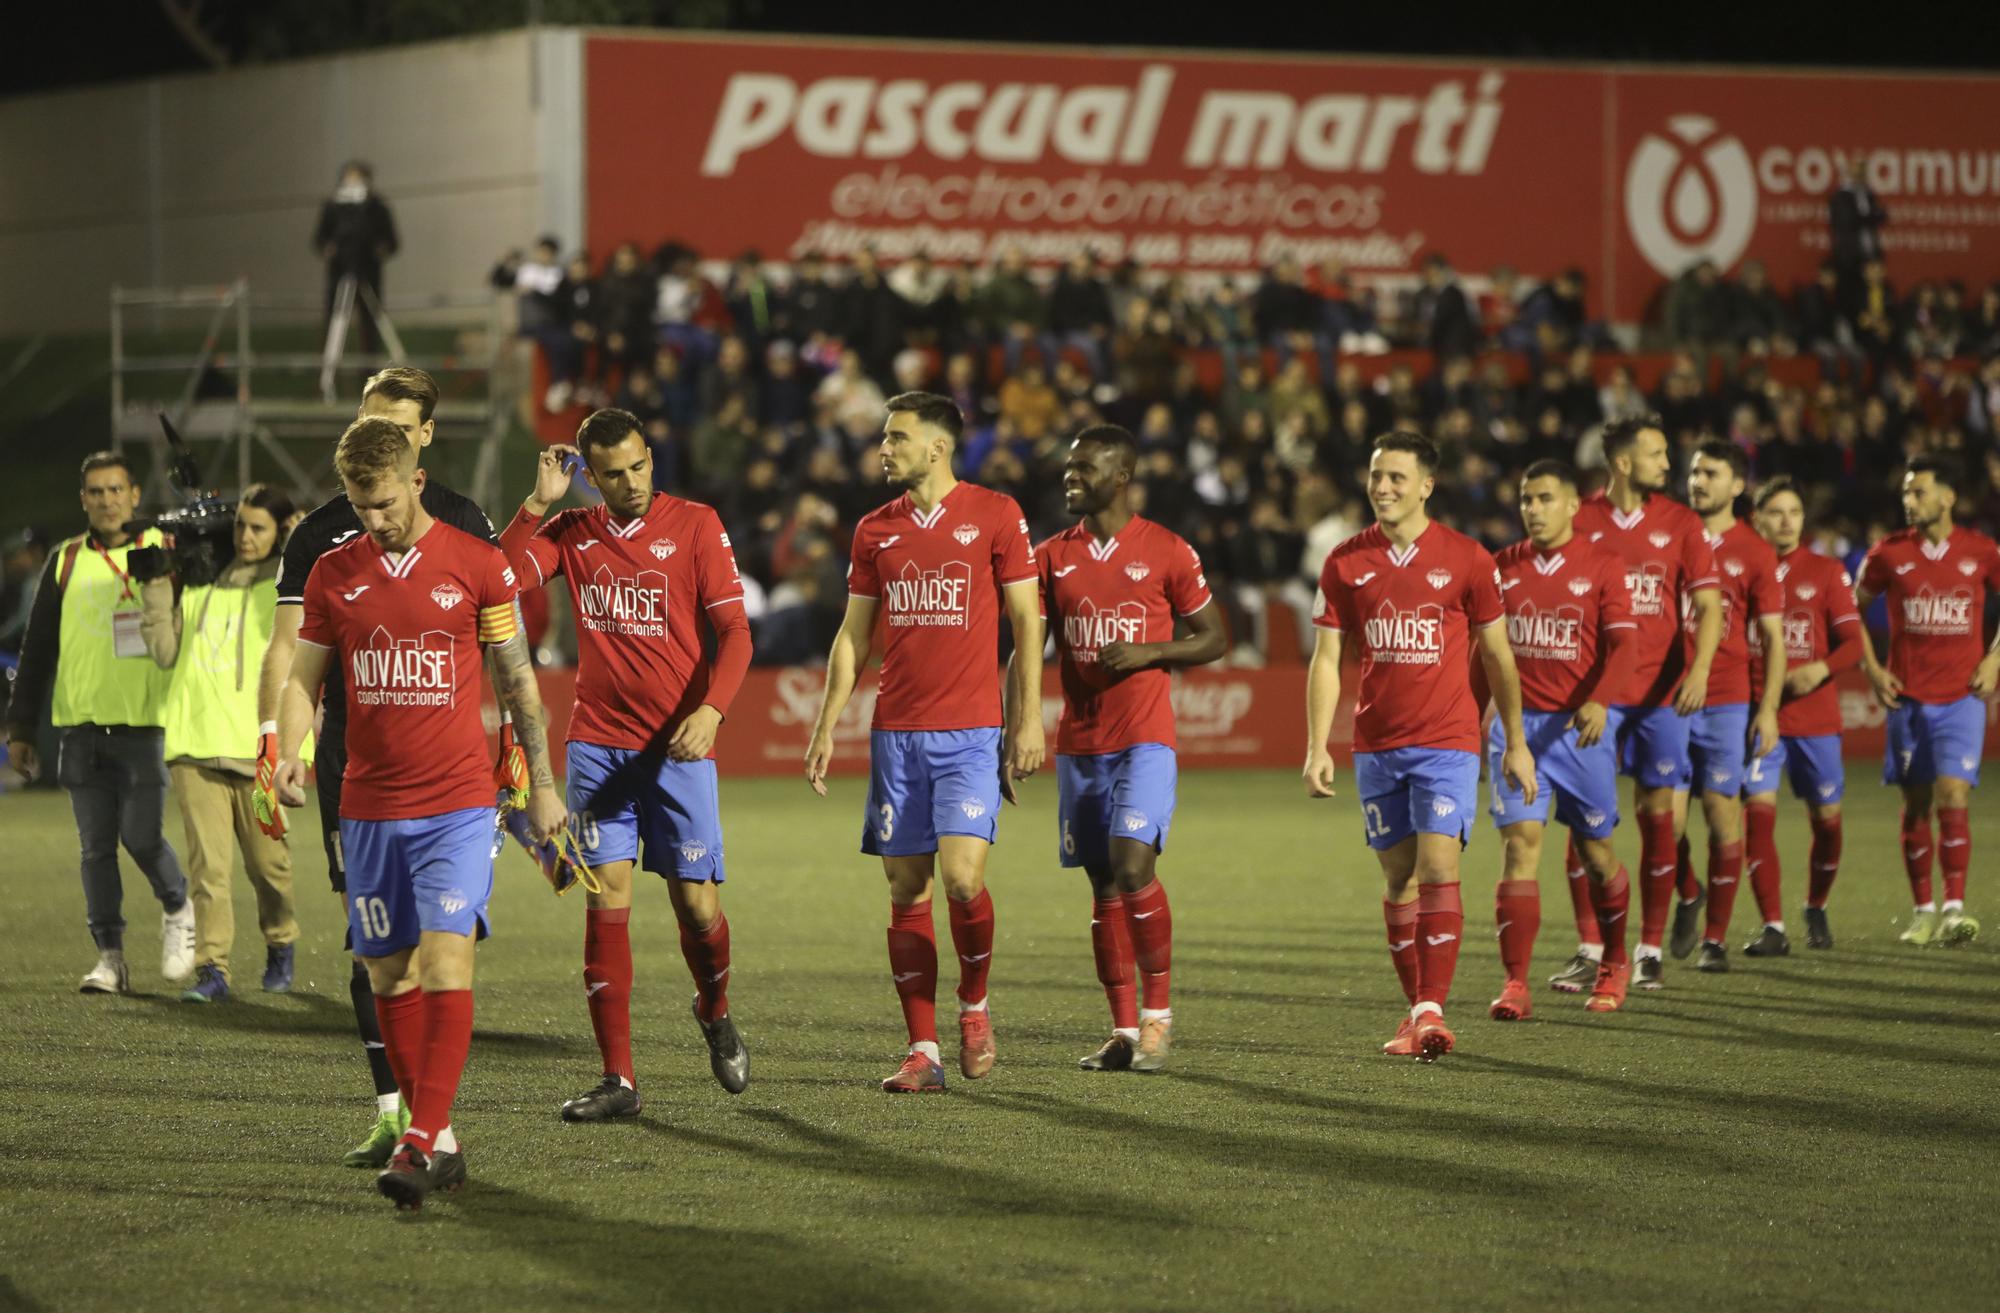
(1255, 401)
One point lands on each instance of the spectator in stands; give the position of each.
(1982, 324)
(20, 575)
(756, 304)
(1142, 354)
(625, 296)
(356, 235)
(1552, 319)
(1758, 320)
(721, 446)
(1286, 313)
(1854, 220)
(925, 291)
(812, 307)
(1011, 308)
(688, 311)
(541, 308)
(1027, 402)
(1080, 310)
(583, 313)
(853, 396)
(1450, 387)
(1872, 310)
(1929, 325)
(1444, 318)
(872, 316)
(784, 399)
(962, 385)
(731, 378)
(1620, 397)
(1697, 309)
(810, 594)
(1295, 395)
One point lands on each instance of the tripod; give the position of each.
(345, 295)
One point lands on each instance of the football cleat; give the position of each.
(1714, 958)
(278, 969)
(381, 1142)
(1576, 975)
(1923, 929)
(1687, 925)
(1955, 928)
(1513, 1003)
(1818, 933)
(1116, 1055)
(975, 1044)
(177, 943)
(448, 1171)
(1770, 942)
(610, 1100)
(727, 1057)
(1650, 973)
(210, 986)
(109, 976)
(1155, 1038)
(407, 1179)
(917, 1075)
(1405, 1043)
(1608, 994)
(1433, 1039)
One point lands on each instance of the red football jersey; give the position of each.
(1560, 604)
(938, 577)
(1819, 616)
(639, 589)
(1937, 604)
(1666, 556)
(407, 633)
(1747, 568)
(1410, 611)
(1127, 589)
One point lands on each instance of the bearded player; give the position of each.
(408, 399)
(1113, 586)
(643, 570)
(1668, 567)
(1728, 732)
(1569, 622)
(1410, 594)
(1823, 636)
(407, 606)
(938, 563)
(1936, 575)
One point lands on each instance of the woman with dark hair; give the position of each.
(214, 642)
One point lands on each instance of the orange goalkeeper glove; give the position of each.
(264, 798)
(510, 768)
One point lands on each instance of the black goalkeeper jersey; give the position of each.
(328, 527)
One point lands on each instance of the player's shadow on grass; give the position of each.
(946, 1186)
(625, 1261)
(1705, 1014)
(1294, 1153)
(1818, 976)
(1938, 1013)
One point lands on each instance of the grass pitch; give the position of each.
(1818, 1132)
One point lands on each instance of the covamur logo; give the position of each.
(1690, 195)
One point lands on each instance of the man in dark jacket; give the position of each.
(355, 235)
(1444, 316)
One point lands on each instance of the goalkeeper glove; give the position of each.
(559, 857)
(510, 768)
(264, 797)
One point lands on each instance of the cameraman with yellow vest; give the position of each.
(84, 638)
(214, 643)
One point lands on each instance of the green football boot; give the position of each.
(381, 1142)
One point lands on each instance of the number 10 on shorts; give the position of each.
(373, 913)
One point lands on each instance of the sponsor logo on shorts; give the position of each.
(1135, 820)
(1826, 790)
(453, 901)
(1593, 819)
(1663, 767)
(1438, 578)
(1965, 763)
(973, 808)
(1443, 806)
(447, 596)
(1719, 775)
(662, 548)
(693, 850)
(965, 533)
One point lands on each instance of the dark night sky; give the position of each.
(85, 41)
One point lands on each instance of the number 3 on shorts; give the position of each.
(888, 828)
(374, 914)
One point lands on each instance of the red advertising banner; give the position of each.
(1221, 162)
(1227, 718)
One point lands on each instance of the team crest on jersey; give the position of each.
(1968, 568)
(693, 850)
(1443, 806)
(965, 533)
(1580, 587)
(1807, 592)
(973, 808)
(447, 596)
(1137, 570)
(1438, 578)
(662, 548)
(1659, 539)
(1734, 567)
(1135, 821)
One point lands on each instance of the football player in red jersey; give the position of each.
(1728, 732)
(1409, 592)
(1113, 587)
(405, 607)
(1936, 575)
(939, 563)
(1569, 621)
(646, 572)
(1823, 636)
(1668, 566)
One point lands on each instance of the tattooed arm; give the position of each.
(514, 685)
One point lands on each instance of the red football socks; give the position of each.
(972, 936)
(1954, 851)
(402, 1022)
(1112, 948)
(1656, 879)
(607, 985)
(1917, 856)
(447, 1039)
(707, 956)
(1401, 919)
(1760, 853)
(1580, 901)
(1440, 927)
(913, 967)
(1825, 862)
(1151, 926)
(1517, 909)
(1613, 901)
(1725, 877)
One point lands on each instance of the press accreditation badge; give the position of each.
(126, 640)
